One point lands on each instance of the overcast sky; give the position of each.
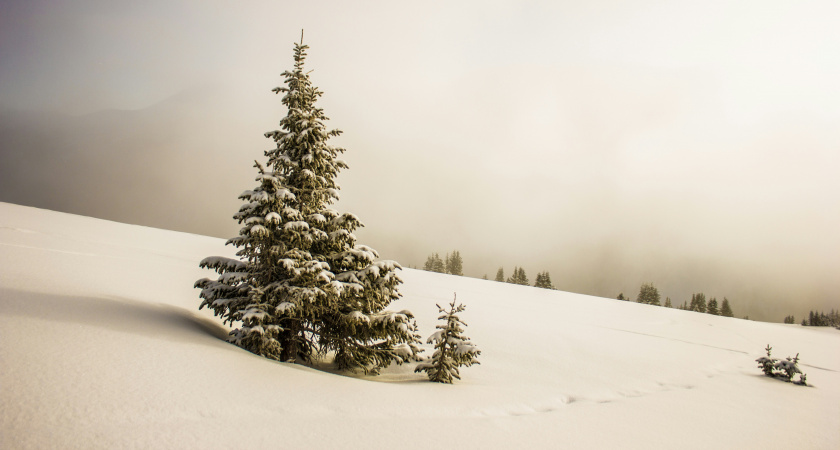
(692, 144)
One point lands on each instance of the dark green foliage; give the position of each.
(622, 297)
(712, 307)
(648, 294)
(500, 275)
(519, 277)
(452, 349)
(302, 287)
(434, 264)
(698, 303)
(821, 319)
(790, 319)
(454, 263)
(544, 281)
(668, 302)
(726, 309)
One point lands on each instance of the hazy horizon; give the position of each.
(688, 144)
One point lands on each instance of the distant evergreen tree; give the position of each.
(302, 286)
(452, 349)
(500, 275)
(726, 309)
(454, 263)
(789, 319)
(621, 297)
(484, 277)
(519, 277)
(543, 281)
(648, 294)
(434, 264)
(698, 303)
(668, 302)
(712, 307)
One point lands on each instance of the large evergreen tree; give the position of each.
(302, 286)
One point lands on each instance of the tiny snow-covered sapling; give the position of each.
(784, 369)
(766, 363)
(452, 350)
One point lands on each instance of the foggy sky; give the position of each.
(692, 144)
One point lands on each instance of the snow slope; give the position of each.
(101, 345)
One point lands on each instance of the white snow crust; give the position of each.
(102, 346)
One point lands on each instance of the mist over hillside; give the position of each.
(180, 164)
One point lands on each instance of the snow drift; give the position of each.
(102, 345)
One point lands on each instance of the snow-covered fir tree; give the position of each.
(452, 348)
(303, 287)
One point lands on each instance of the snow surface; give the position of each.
(102, 345)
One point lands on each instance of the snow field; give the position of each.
(101, 346)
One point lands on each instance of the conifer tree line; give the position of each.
(519, 276)
(453, 264)
(302, 287)
(649, 294)
(820, 319)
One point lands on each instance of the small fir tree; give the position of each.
(648, 294)
(500, 275)
(452, 349)
(668, 302)
(622, 297)
(726, 309)
(303, 287)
